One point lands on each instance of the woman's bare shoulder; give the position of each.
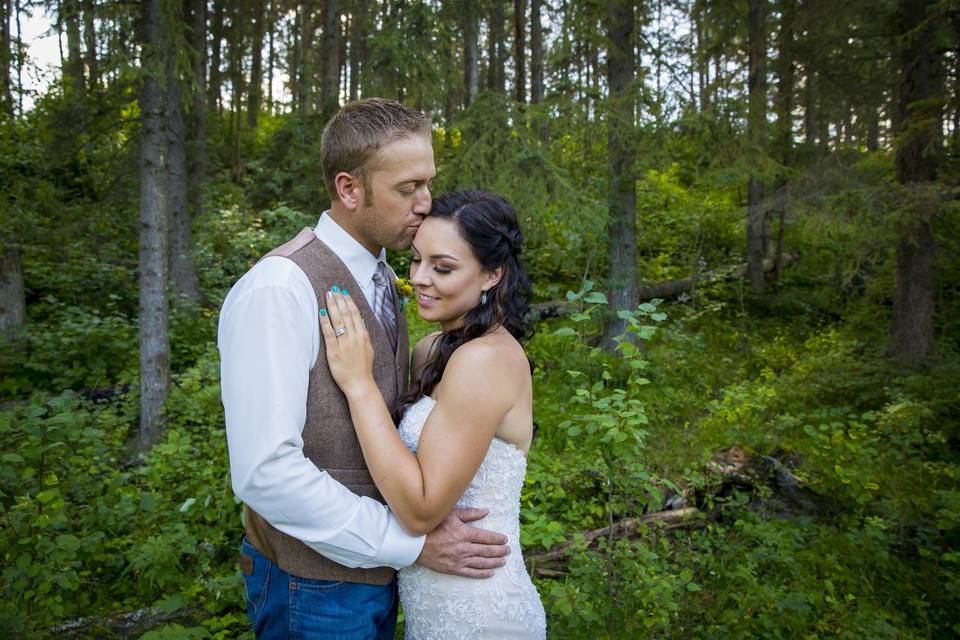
(497, 354)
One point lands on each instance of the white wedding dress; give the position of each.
(440, 606)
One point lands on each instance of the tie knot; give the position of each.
(380, 276)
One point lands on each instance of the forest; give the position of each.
(742, 223)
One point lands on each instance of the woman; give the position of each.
(468, 422)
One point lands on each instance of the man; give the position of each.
(321, 549)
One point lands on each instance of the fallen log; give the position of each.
(665, 288)
(627, 527)
(130, 624)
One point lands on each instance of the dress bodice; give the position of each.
(440, 606)
(497, 483)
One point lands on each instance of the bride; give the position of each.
(467, 422)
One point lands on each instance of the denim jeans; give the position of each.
(280, 605)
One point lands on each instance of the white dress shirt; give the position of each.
(269, 339)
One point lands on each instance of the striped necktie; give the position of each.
(383, 304)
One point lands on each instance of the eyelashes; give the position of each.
(441, 270)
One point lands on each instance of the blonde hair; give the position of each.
(358, 130)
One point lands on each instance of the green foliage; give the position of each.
(89, 529)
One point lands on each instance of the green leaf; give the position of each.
(187, 504)
(564, 331)
(12, 457)
(646, 332)
(68, 542)
(171, 604)
(47, 495)
(148, 502)
(596, 297)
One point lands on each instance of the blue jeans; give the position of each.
(282, 606)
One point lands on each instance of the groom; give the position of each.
(321, 548)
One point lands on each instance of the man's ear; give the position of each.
(493, 278)
(349, 190)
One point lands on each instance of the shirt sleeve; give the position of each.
(268, 339)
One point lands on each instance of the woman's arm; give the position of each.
(421, 490)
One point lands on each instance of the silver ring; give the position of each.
(339, 332)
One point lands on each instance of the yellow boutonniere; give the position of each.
(404, 291)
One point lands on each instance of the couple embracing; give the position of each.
(355, 460)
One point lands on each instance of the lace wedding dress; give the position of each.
(437, 605)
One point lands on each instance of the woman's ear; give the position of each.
(349, 190)
(493, 278)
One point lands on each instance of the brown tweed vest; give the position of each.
(329, 440)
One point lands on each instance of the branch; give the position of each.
(662, 289)
(628, 527)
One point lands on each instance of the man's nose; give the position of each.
(422, 205)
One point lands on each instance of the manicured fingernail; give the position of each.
(329, 294)
(336, 289)
(323, 312)
(345, 292)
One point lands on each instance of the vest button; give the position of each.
(293, 586)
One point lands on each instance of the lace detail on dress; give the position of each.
(440, 606)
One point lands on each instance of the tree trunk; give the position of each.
(536, 53)
(237, 47)
(622, 204)
(786, 69)
(293, 61)
(757, 85)
(154, 328)
(183, 273)
(356, 40)
(847, 123)
(74, 66)
(216, 51)
(919, 116)
(255, 91)
(305, 61)
(90, 42)
(873, 128)
(330, 50)
(495, 35)
(6, 57)
(13, 304)
(810, 106)
(343, 88)
(197, 145)
(520, 49)
(536, 65)
(19, 57)
(700, 55)
(470, 52)
(271, 54)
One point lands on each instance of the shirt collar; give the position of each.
(360, 262)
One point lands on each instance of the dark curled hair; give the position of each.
(489, 226)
